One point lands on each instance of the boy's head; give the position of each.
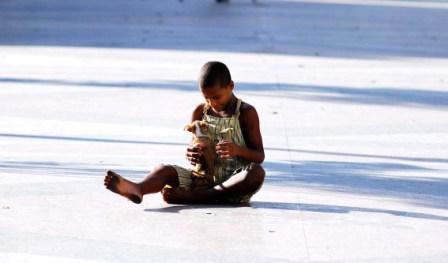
(216, 84)
(214, 74)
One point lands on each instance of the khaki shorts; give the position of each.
(194, 183)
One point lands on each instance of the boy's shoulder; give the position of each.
(246, 107)
(248, 112)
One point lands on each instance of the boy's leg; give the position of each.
(153, 183)
(244, 183)
(158, 178)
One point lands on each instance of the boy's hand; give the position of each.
(194, 154)
(227, 149)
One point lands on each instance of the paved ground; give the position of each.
(353, 102)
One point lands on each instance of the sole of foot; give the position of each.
(117, 184)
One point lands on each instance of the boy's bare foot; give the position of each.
(121, 186)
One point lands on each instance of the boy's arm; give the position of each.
(250, 126)
(197, 113)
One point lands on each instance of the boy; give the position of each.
(239, 174)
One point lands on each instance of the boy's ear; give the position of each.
(231, 85)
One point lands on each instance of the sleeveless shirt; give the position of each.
(226, 167)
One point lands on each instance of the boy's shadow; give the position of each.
(317, 208)
(252, 204)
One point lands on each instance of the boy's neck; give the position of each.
(229, 109)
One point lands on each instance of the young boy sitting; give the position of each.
(238, 173)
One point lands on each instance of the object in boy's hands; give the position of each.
(226, 134)
(201, 138)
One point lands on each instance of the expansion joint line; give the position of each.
(288, 147)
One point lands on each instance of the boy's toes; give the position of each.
(107, 180)
(111, 181)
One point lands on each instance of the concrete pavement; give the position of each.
(352, 101)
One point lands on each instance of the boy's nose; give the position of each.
(214, 104)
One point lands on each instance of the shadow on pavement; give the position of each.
(365, 96)
(67, 169)
(87, 139)
(318, 208)
(327, 29)
(374, 179)
(377, 179)
(362, 155)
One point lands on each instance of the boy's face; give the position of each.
(218, 97)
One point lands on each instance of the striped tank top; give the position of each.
(225, 168)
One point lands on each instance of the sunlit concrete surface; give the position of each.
(353, 103)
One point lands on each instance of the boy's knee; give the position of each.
(165, 170)
(255, 174)
(162, 166)
(168, 172)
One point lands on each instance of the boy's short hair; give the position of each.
(214, 73)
